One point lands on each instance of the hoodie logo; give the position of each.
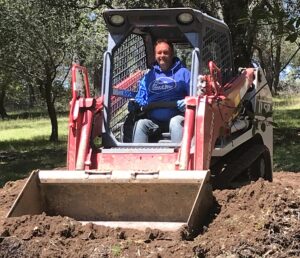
(162, 84)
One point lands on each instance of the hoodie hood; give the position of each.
(176, 65)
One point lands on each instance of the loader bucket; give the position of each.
(165, 200)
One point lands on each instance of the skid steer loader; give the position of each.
(109, 180)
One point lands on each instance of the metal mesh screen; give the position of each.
(216, 48)
(129, 64)
(184, 52)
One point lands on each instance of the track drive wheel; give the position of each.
(261, 167)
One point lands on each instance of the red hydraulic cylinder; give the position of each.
(188, 132)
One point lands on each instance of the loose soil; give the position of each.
(261, 219)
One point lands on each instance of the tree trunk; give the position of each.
(234, 13)
(277, 67)
(277, 63)
(51, 111)
(97, 80)
(243, 26)
(2, 108)
(31, 96)
(266, 65)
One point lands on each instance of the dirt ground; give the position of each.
(261, 219)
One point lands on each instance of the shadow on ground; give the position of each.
(19, 158)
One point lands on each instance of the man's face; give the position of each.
(163, 55)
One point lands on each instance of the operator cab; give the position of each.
(197, 39)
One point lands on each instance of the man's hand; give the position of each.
(181, 105)
(132, 105)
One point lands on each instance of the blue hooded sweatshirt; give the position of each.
(158, 85)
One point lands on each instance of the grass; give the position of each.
(26, 129)
(116, 250)
(287, 133)
(25, 146)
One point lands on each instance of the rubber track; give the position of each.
(237, 164)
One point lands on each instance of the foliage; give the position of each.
(293, 24)
(290, 54)
(290, 84)
(37, 35)
(267, 31)
(90, 43)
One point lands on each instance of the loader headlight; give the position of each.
(117, 20)
(185, 18)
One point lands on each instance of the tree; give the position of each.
(38, 37)
(258, 29)
(90, 43)
(267, 45)
(273, 30)
(3, 85)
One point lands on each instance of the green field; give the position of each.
(24, 144)
(287, 133)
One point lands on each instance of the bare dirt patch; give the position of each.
(257, 220)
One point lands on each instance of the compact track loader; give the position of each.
(110, 180)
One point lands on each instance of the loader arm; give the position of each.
(214, 111)
(84, 120)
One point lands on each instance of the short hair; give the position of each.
(169, 43)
